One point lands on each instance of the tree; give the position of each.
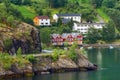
(39, 11)
(108, 31)
(97, 3)
(57, 3)
(45, 35)
(64, 29)
(89, 14)
(17, 2)
(70, 24)
(115, 16)
(26, 2)
(10, 20)
(109, 3)
(93, 35)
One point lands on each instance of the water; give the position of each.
(108, 61)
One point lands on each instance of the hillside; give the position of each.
(91, 10)
(26, 11)
(38, 7)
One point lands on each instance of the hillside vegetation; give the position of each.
(107, 11)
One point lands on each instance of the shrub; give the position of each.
(31, 58)
(19, 52)
(7, 43)
(72, 53)
(56, 53)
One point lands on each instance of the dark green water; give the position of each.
(108, 61)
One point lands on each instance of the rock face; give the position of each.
(24, 36)
(63, 64)
(45, 65)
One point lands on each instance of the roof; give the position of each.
(65, 21)
(68, 15)
(55, 35)
(65, 35)
(43, 17)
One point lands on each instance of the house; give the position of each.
(74, 17)
(66, 39)
(41, 21)
(83, 27)
(57, 39)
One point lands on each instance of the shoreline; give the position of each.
(45, 65)
(11, 75)
(100, 45)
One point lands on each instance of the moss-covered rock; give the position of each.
(23, 36)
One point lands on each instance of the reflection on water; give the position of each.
(108, 61)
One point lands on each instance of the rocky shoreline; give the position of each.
(100, 45)
(45, 65)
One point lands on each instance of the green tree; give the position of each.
(45, 35)
(57, 3)
(115, 16)
(97, 3)
(89, 14)
(26, 2)
(108, 31)
(109, 3)
(17, 2)
(10, 20)
(64, 29)
(93, 35)
(39, 11)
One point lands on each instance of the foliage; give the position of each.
(31, 58)
(45, 35)
(93, 35)
(6, 61)
(115, 16)
(72, 52)
(19, 52)
(108, 32)
(9, 14)
(57, 3)
(7, 43)
(56, 53)
(109, 3)
(102, 14)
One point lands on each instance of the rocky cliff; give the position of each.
(47, 65)
(22, 36)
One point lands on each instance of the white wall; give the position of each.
(75, 18)
(83, 28)
(55, 17)
(44, 22)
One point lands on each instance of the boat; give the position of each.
(90, 47)
(111, 47)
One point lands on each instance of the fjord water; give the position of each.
(108, 61)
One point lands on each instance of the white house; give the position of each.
(74, 17)
(42, 21)
(83, 27)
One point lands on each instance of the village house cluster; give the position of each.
(66, 39)
(78, 26)
(76, 18)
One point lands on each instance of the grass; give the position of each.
(105, 17)
(26, 11)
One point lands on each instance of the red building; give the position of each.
(66, 38)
